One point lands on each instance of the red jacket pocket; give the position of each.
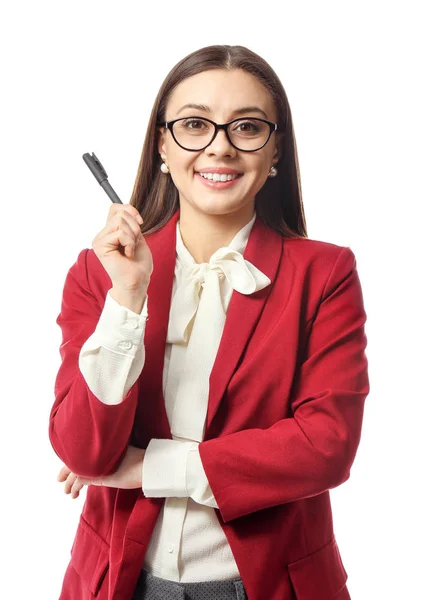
(90, 556)
(319, 576)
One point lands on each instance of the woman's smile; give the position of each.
(214, 183)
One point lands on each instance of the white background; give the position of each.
(82, 77)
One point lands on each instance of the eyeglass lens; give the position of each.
(246, 134)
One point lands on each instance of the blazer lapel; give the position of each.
(151, 410)
(264, 250)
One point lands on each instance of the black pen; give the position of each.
(99, 172)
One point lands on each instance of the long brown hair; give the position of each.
(278, 203)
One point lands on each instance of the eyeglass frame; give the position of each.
(217, 127)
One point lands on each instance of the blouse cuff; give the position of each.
(119, 329)
(164, 468)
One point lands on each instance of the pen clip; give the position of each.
(99, 165)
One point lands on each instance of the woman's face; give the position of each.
(223, 92)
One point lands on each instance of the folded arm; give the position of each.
(313, 450)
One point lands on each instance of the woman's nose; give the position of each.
(220, 143)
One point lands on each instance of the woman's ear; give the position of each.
(161, 140)
(278, 146)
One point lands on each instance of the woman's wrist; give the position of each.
(131, 299)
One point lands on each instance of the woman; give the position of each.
(213, 373)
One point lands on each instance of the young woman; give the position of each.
(213, 373)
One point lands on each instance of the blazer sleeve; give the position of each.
(88, 435)
(313, 450)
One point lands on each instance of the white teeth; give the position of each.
(218, 176)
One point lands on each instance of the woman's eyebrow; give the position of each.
(238, 111)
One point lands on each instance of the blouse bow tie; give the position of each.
(242, 275)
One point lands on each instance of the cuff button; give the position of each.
(125, 344)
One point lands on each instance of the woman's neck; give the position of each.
(205, 234)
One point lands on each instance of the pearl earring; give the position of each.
(164, 168)
(273, 172)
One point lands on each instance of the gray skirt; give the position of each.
(150, 587)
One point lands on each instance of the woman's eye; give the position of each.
(191, 122)
(247, 126)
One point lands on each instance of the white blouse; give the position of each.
(187, 543)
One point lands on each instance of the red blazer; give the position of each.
(284, 420)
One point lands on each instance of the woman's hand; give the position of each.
(122, 249)
(128, 475)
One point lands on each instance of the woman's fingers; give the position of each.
(63, 473)
(122, 228)
(77, 486)
(74, 483)
(70, 480)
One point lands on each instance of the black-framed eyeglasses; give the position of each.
(248, 134)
